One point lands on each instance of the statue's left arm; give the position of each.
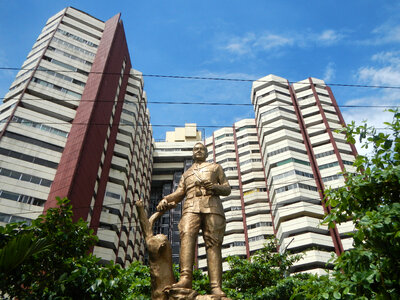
(222, 188)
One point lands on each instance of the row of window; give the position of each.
(328, 165)
(223, 136)
(72, 46)
(131, 103)
(252, 160)
(259, 224)
(296, 186)
(28, 158)
(64, 65)
(284, 149)
(226, 160)
(331, 178)
(58, 75)
(21, 198)
(276, 109)
(258, 238)
(73, 57)
(289, 160)
(224, 152)
(246, 135)
(245, 127)
(323, 154)
(39, 126)
(234, 244)
(25, 177)
(247, 144)
(6, 218)
(255, 191)
(57, 87)
(131, 113)
(33, 141)
(292, 172)
(77, 38)
(224, 144)
(248, 152)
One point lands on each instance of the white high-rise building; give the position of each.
(302, 155)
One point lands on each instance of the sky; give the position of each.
(342, 42)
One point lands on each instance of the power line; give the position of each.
(177, 125)
(201, 103)
(207, 78)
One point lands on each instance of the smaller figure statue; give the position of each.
(160, 254)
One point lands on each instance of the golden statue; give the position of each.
(201, 184)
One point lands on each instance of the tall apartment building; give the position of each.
(75, 124)
(302, 155)
(278, 166)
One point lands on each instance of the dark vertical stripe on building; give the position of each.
(77, 172)
(246, 236)
(313, 164)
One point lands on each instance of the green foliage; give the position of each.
(50, 260)
(138, 275)
(370, 199)
(201, 282)
(264, 276)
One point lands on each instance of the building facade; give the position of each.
(75, 124)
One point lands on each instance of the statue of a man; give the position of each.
(201, 184)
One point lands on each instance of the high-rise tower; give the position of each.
(75, 124)
(302, 155)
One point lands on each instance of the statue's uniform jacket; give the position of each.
(201, 204)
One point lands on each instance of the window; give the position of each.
(39, 126)
(21, 198)
(77, 38)
(222, 136)
(25, 177)
(56, 87)
(33, 141)
(295, 186)
(329, 165)
(259, 224)
(250, 161)
(284, 149)
(63, 77)
(323, 154)
(289, 160)
(28, 158)
(73, 47)
(6, 218)
(331, 178)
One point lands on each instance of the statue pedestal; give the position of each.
(188, 294)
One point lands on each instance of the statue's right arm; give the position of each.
(174, 197)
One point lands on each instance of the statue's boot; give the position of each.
(186, 260)
(214, 263)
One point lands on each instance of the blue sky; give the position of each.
(347, 42)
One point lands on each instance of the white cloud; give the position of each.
(383, 70)
(329, 73)
(241, 45)
(267, 41)
(383, 34)
(330, 36)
